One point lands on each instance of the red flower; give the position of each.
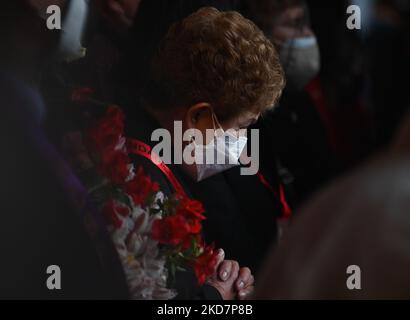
(205, 265)
(195, 226)
(81, 95)
(111, 212)
(172, 230)
(115, 117)
(191, 208)
(140, 187)
(192, 211)
(106, 132)
(114, 166)
(188, 240)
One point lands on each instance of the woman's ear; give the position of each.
(199, 116)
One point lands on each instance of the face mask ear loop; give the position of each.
(215, 121)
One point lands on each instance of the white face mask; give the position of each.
(220, 154)
(72, 32)
(301, 60)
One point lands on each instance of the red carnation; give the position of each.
(191, 208)
(140, 187)
(111, 212)
(115, 166)
(172, 230)
(205, 265)
(106, 132)
(192, 211)
(188, 240)
(115, 117)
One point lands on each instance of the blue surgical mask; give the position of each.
(301, 60)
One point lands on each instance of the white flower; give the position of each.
(120, 146)
(143, 264)
(140, 218)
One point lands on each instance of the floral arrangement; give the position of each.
(155, 236)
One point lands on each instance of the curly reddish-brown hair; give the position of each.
(215, 57)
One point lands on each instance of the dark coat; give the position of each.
(41, 224)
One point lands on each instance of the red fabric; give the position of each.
(286, 210)
(140, 148)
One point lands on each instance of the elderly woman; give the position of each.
(215, 72)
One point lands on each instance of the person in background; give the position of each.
(342, 88)
(388, 53)
(119, 15)
(42, 201)
(105, 36)
(351, 240)
(294, 140)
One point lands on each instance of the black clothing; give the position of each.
(241, 213)
(294, 135)
(389, 66)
